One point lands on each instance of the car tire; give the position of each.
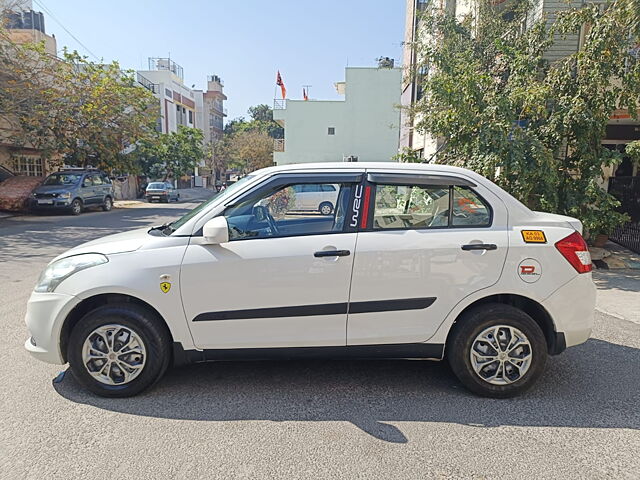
(511, 372)
(147, 354)
(325, 208)
(76, 206)
(107, 205)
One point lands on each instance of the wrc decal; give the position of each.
(356, 206)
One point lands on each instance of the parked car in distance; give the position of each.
(74, 190)
(161, 192)
(415, 261)
(315, 197)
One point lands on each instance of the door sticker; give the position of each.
(529, 270)
(165, 287)
(534, 236)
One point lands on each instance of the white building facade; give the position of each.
(165, 79)
(365, 126)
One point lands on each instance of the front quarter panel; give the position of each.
(139, 274)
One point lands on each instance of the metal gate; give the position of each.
(627, 191)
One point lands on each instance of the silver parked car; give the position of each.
(161, 192)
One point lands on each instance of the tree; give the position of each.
(170, 155)
(69, 107)
(250, 150)
(535, 128)
(248, 145)
(261, 120)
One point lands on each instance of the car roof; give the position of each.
(395, 166)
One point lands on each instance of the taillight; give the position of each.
(575, 250)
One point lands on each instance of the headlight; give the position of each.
(57, 271)
(64, 195)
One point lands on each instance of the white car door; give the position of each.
(281, 281)
(429, 242)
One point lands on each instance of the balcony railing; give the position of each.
(279, 103)
(278, 144)
(146, 83)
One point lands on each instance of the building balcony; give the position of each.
(279, 103)
(278, 144)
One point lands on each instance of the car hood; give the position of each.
(111, 244)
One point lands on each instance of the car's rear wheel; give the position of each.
(325, 208)
(119, 350)
(497, 350)
(76, 207)
(108, 204)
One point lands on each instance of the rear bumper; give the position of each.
(572, 308)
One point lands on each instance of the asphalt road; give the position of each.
(320, 419)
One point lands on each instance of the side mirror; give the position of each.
(216, 231)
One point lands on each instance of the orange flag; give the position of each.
(304, 94)
(280, 83)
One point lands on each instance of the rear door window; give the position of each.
(411, 207)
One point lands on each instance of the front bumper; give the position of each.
(46, 313)
(57, 204)
(572, 308)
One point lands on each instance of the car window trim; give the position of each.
(284, 179)
(421, 180)
(372, 205)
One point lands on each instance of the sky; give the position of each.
(245, 42)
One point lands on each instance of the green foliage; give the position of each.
(633, 150)
(170, 155)
(261, 120)
(535, 128)
(248, 145)
(72, 109)
(407, 155)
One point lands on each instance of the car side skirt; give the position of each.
(425, 351)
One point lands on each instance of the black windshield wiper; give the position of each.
(163, 228)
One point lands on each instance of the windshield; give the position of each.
(216, 198)
(62, 179)
(156, 186)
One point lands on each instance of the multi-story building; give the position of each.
(165, 79)
(23, 25)
(364, 126)
(210, 113)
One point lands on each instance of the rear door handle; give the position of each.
(480, 246)
(332, 253)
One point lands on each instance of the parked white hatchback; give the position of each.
(413, 261)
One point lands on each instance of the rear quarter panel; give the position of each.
(553, 272)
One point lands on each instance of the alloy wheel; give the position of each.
(114, 354)
(501, 355)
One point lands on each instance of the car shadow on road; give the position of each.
(591, 386)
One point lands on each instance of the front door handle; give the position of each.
(332, 253)
(480, 246)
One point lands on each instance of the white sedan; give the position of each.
(413, 261)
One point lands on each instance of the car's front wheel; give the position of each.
(107, 205)
(76, 207)
(497, 350)
(119, 350)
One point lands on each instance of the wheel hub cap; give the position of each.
(501, 355)
(114, 354)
